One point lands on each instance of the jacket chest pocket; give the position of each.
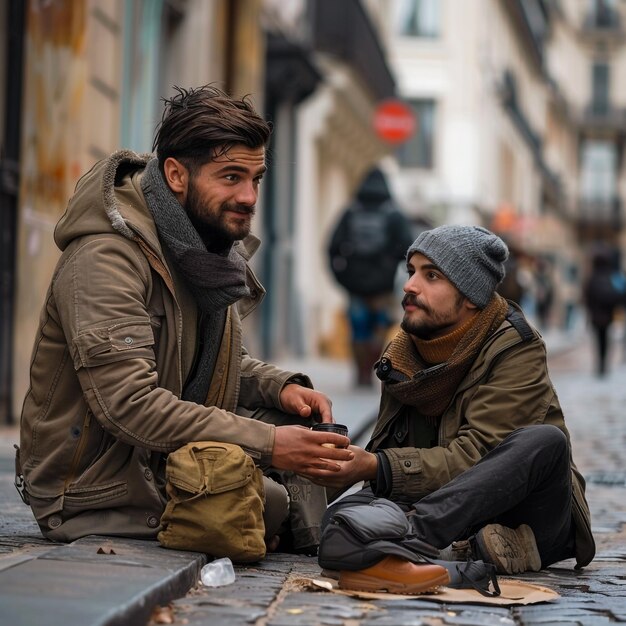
(128, 339)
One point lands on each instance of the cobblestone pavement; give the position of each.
(272, 593)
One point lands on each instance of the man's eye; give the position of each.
(232, 177)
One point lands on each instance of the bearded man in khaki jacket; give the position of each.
(470, 438)
(139, 348)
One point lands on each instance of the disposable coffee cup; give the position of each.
(325, 427)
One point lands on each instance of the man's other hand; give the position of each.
(305, 402)
(301, 450)
(363, 466)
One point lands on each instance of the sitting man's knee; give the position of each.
(544, 436)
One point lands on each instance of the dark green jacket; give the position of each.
(507, 387)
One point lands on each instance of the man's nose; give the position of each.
(247, 194)
(412, 285)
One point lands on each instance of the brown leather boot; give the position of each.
(395, 575)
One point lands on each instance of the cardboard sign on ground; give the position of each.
(514, 592)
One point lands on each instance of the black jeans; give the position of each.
(526, 479)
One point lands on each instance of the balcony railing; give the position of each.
(532, 24)
(602, 26)
(344, 29)
(605, 19)
(601, 213)
(604, 116)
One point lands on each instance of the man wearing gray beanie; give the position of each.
(470, 437)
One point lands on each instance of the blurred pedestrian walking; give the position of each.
(366, 246)
(511, 288)
(544, 292)
(570, 296)
(602, 298)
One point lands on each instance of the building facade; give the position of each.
(520, 105)
(520, 123)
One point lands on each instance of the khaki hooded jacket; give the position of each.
(507, 387)
(115, 344)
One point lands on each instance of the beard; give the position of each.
(434, 323)
(216, 233)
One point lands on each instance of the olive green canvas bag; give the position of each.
(215, 502)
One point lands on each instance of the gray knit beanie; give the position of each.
(471, 257)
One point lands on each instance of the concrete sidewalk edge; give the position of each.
(106, 581)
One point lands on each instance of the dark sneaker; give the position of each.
(512, 551)
(395, 575)
(457, 551)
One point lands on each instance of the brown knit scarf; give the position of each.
(430, 388)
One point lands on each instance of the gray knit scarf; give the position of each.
(215, 280)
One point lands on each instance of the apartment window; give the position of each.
(604, 13)
(600, 87)
(598, 171)
(418, 18)
(418, 151)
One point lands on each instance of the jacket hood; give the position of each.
(108, 199)
(374, 188)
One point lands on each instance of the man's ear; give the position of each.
(470, 306)
(176, 177)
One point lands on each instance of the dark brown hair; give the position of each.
(199, 124)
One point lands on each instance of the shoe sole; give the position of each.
(355, 581)
(494, 540)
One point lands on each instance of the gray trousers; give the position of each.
(526, 479)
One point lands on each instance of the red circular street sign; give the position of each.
(394, 121)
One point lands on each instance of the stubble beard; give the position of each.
(422, 329)
(435, 323)
(216, 234)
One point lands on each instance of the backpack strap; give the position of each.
(518, 321)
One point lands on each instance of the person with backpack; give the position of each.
(365, 249)
(602, 297)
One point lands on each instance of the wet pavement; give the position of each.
(109, 581)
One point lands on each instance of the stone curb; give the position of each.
(95, 581)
